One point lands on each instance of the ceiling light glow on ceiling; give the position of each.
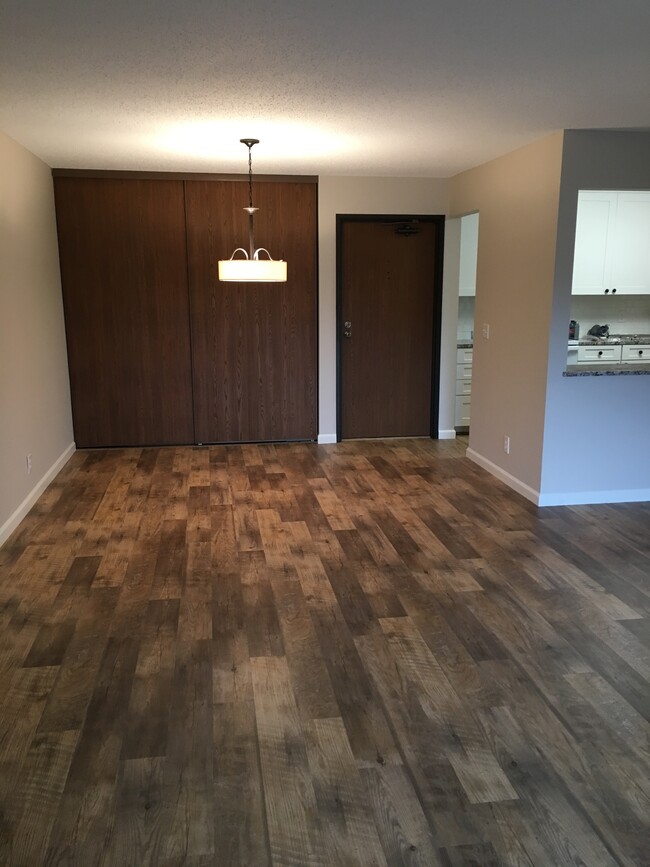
(285, 142)
(252, 268)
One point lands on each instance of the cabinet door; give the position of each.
(253, 344)
(637, 354)
(463, 411)
(631, 244)
(124, 276)
(594, 232)
(602, 354)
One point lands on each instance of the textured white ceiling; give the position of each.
(422, 88)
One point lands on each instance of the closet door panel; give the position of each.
(253, 344)
(123, 259)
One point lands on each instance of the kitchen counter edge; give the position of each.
(610, 341)
(604, 370)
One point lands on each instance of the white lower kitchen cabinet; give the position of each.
(627, 353)
(599, 354)
(464, 359)
(636, 354)
(463, 405)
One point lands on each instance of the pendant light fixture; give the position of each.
(252, 268)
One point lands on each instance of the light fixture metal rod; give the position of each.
(249, 142)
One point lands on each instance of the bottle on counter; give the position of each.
(574, 330)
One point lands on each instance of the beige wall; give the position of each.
(348, 195)
(517, 199)
(34, 389)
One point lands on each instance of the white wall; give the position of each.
(35, 415)
(465, 329)
(596, 444)
(468, 254)
(347, 195)
(516, 197)
(449, 330)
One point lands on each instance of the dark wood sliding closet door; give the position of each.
(253, 344)
(124, 272)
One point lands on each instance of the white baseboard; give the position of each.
(12, 522)
(327, 439)
(571, 498)
(512, 482)
(594, 498)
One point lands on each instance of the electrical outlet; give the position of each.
(506, 444)
(29, 464)
(486, 331)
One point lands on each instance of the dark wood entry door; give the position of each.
(253, 344)
(387, 281)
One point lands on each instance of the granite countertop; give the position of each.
(466, 344)
(610, 341)
(607, 370)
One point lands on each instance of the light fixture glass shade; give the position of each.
(253, 270)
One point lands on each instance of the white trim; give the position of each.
(326, 439)
(571, 498)
(512, 482)
(588, 498)
(13, 520)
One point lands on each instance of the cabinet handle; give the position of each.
(606, 291)
(600, 353)
(640, 352)
(613, 291)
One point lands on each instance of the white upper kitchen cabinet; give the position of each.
(594, 230)
(612, 249)
(631, 244)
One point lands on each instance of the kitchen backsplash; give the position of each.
(465, 317)
(629, 314)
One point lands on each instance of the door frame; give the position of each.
(436, 287)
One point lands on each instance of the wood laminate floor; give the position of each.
(364, 654)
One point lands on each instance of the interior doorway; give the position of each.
(389, 294)
(469, 227)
